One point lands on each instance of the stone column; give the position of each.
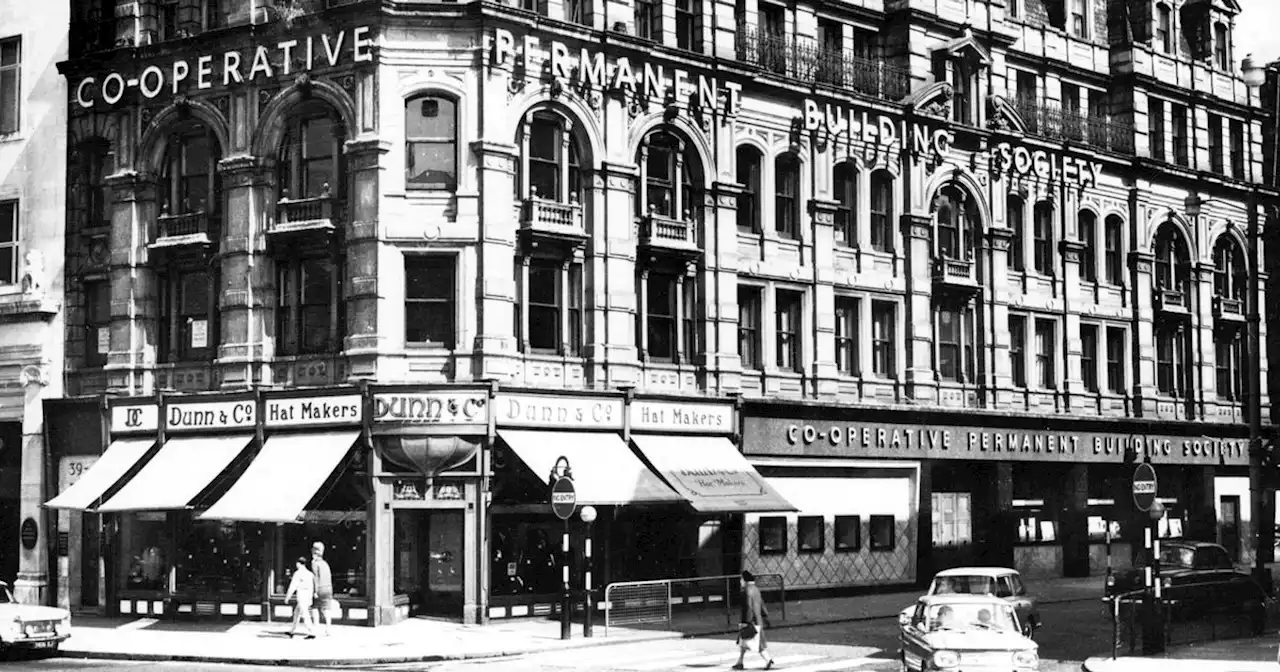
(1204, 358)
(720, 303)
(32, 582)
(246, 300)
(380, 545)
(917, 231)
(614, 350)
(131, 358)
(823, 345)
(1001, 383)
(495, 347)
(1142, 342)
(1073, 523)
(364, 343)
(1073, 395)
(925, 567)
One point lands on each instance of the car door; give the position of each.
(915, 649)
(1009, 587)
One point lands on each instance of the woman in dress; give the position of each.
(303, 588)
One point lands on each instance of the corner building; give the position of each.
(844, 293)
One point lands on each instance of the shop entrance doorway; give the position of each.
(1229, 525)
(430, 562)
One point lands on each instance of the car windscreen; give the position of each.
(1177, 556)
(963, 585)
(970, 616)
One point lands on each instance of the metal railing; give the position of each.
(1052, 121)
(661, 601)
(1180, 623)
(806, 61)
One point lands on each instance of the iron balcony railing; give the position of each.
(1051, 121)
(804, 60)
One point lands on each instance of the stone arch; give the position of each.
(1180, 225)
(151, 149)
(585, 123)
(271, 123)
(968, 184)
(1225, 229)
(686, 131)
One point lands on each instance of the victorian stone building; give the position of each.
(841, 292)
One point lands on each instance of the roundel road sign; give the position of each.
(1144, 486)
(564, 498)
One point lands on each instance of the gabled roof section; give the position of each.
(1228, 6)
(966, 45)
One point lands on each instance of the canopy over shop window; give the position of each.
(118, 459)
(283, 477)
(605, 471)
(711, 473)
(181, 469)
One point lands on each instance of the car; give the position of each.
(964, 632)
(1199, 577)
(31, 626)
(1000, 582)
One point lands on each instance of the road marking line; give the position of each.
(733, 655)
(830, 665)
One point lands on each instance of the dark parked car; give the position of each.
(1199, 577)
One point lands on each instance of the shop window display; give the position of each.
(525, 554)
(220, 557)
(343, 534)
(145, 540)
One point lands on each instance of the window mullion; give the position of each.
(562, 165)
(677, 182)
(643, 194)
(524, 303)
(644, 314)
(562, 311)
(527, 125)
(678, 318)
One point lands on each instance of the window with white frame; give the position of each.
(1018, 349)
(668, 314)
(883, 344)
(672, 178)
(882, 211)
(431, 142)
(430, 300)
(1087, 229)
(847, 313)
(1042, 238)
(1229, 363)
(1116, 360)
(550, 292)
(846, 196)
(954, 324)
(789, 305)
(786, 209)
(749, 326)
(689, 24)
(1016, 214)
(10, 84)
(1164, 28)
(748, 166)
(1046, 349)
(1089, 356)
(952, 518)
(9, 242)
(1113, 249)
(551, 163)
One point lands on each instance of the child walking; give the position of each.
(303, 588)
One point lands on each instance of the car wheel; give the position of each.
(1029, 631)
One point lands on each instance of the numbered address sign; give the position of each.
(72, 467)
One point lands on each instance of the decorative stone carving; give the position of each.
(264, 98)
(34, 374)
(33, 278)
(1071, 250)
(1141, 261)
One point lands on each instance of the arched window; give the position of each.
(1172, 262)
(953, 215)
(672, 178)
(749, 160)
(311, 165)
(1016, 216)
(1113, 249)
(882, 211)
(845, 190)
(1230, 272)
(89, 200)
(786, 211)
(1042, 238)
(1164, 28)
(189, 175)
(551, 165)
(431, 142)
(1221, 47)
(1087, 230)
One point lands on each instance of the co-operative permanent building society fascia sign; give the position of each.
(780, 436)
(234, 66)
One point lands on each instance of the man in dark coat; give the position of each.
(754, 613)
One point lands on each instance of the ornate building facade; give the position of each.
(937, 273)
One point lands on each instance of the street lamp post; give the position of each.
(1254, 75)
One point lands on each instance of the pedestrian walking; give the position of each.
(324, 584)
(303, 589)
(752, 622)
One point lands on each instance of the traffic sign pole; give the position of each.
(564, 499)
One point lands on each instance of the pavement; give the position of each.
(1235, 655)
(430, 640)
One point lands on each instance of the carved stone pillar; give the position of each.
(720, 300)
(1074, 395)
(998, 240)
(613, 350)
(917, 231)
(364, 343)
(495, 347)
(1143, 337)
(1204, 351)
(132, 353)
(246, 301)
(823, 333)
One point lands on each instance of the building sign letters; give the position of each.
(681, 418)
(265, 62)
(587, 69)
(432, 408)
(135, 418)
(210, 415)
(532, 410)
(882, 131)
(766, 436)
(310, 411)
(1008, 158)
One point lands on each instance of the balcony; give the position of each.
(1051, 121)
(1171, 303)
(194, 228)
(552, 220)
(954, 275)
(805, 61)
(303, 215)
(659, 232)
(1228, 310)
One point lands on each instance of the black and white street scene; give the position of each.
(639, 335)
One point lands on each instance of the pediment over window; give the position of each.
(966, 46)
(1003, 115)
(933, 100)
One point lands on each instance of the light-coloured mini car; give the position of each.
(965, 633)
(31, 626)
